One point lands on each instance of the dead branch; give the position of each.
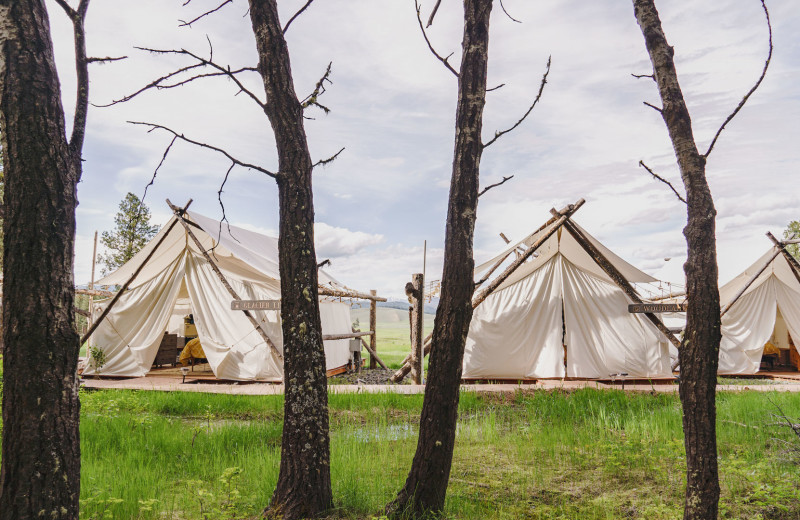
(155, 172)
(750, 92)
(509, 16)
(660, 111)
(325, 262)
(496, 184)
(324, 162)
(298, 13)
(640, 76)
(662, 179)
(498, 134)
(105, 60)
(190, 22)
(221, 205)
(162, 82)
(319, 90)
(781, 415)
(498, 87)
(154, 126)
(433, 13)
(425, 35)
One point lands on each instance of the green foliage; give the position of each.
(131, 232)
(792, 229)
(97, 358)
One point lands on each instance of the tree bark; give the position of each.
(40, 475)
(425, 489)
(304, 483)
(699, 353)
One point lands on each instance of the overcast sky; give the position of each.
(393, 109)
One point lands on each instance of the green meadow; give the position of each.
(589, 454)
(394, 343)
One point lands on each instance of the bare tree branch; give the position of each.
(298, 13)
(498, 87)
(161, 82)
(509, 16)
(496, 184)
(640, 76)
(662, 179)
(325, 162)
(319, 89)
(154, 126)
(190, 22)
(155, 172)
(430, 46)
(750, 92)
(105, 60)
(653, 107)
(325, 262)
(433, 13)
(500, 133)
(221, 205)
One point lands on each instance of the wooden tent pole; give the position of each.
(493, 269)
(793, 263)
(565, 213)
(130, 280)
(750, 282)
(618, 279)
(179, 213)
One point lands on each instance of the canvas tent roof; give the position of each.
(517, 331)
(750, 321)
(178, 279)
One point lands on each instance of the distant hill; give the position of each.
(430, 307)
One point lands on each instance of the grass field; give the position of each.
(584, 455)
(394, 343)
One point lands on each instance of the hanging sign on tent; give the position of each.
(255, 305)
(656, 307)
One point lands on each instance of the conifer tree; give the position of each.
(131, 232)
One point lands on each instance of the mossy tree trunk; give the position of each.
(304, 483)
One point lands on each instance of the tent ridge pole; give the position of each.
(179, 214)
(130, 280)
(618, 278)
(564, 214)
(793, 263)
(750, 281)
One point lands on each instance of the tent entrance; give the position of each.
(780, 352)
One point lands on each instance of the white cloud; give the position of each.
(331, 241)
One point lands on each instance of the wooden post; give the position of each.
(617, 278)
(91, 282)
(750, 281)
(373, 326)
(417, 315)
(179, 213)
(132, 278)
(480, 297)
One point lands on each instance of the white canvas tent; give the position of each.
(768, 310)
(562, 294)
(177, 280)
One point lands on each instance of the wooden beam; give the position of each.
(417, 314)
(331, 337)
(346, 293)
(82, 312)
(179, 214)
(130, 280)
(618, 278)
(793, 263)
(750, 281)
(372, 352)
(565, 213)
(493, 269)
(95, 292)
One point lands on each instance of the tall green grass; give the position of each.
(589, 454)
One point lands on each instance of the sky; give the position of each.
(393, 110)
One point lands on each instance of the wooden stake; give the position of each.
(132, 278)
(372, 352)
(617, 278)
(373, 326)
(179, 213)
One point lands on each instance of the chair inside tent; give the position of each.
(763, 324)
(178, 281)
(559, 314)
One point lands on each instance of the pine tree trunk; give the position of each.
(40, 476)
(304, 483)
(699, 352)
(426, 486)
